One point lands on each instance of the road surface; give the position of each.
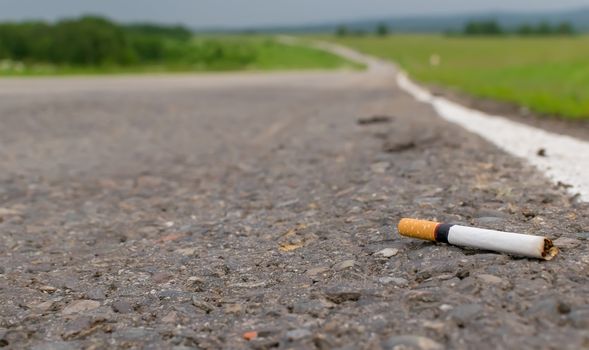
(175, 212)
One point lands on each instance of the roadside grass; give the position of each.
(548, 75)
(214, 53)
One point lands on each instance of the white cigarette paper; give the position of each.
(504, 242)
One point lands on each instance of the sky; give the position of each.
(253, 13)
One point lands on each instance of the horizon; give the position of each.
(209, 15)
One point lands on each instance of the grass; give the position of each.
(273, 55)
(211, 54)
(549, 75)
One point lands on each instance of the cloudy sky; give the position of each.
(244, 13)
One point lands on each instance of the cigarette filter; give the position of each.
(505, 242)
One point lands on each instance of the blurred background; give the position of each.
(532, 54)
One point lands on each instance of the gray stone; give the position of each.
(80, 306)
(122, 307)
(173, 294)
(566, 242)
(297, 334)
(490, 279)
(43, 306)
(95, 294)
(491, 213)
(583, 235)
(380, 167)
(549, 309)
(346, 264)
(135, 334)
(466, 313)
(311, 307)
(201, 304)
(77, 326)
(580, 318)
(59, 345)
(48, 289)
(488, 220)
(387, 252)
(170, 317)
(316, 271)
(393, 280)
(411, 342)
(39, 268)
(341, 294)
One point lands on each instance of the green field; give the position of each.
(549, 75)
(202, 54)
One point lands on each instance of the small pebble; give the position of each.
(298, 334)
(161, 277)
(80, 306)
(122, 307)
(379, 168)
(583, 235)
(446, 307)
(346, 264)
(580, 318)
(233, 309)
(491, 279)
(316, 271)
(393, 280)
(341, 294)
(387, 252)
(488, 220)
(551, 308)
(566, 242)
(171, 317)
(464, 314)
(203, 305)
(48, 289)
(96, 294)
(411, 342)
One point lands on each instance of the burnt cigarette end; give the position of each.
(550, 251)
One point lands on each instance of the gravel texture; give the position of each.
(259, 212)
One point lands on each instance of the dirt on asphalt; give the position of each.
(254, 212)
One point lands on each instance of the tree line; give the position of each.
(492, 27)
(96, 41)
(381, 29)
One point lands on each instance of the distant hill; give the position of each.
(579, 18)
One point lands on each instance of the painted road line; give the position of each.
(566, 160)
(464, 236)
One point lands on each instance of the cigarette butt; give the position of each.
(505, 242)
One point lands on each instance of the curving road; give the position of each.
(188, 211)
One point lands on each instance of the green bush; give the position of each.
(97, 42)
(489, 27)
(492, 28)
(545, 28)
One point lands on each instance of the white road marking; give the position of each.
(566, 160)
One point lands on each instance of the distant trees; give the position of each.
(89, 41)
(545, 28)
(489, 27)
(174, 32)
(492, 28)
(342, 30)
(381, 29)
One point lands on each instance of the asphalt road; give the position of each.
(186, 211)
